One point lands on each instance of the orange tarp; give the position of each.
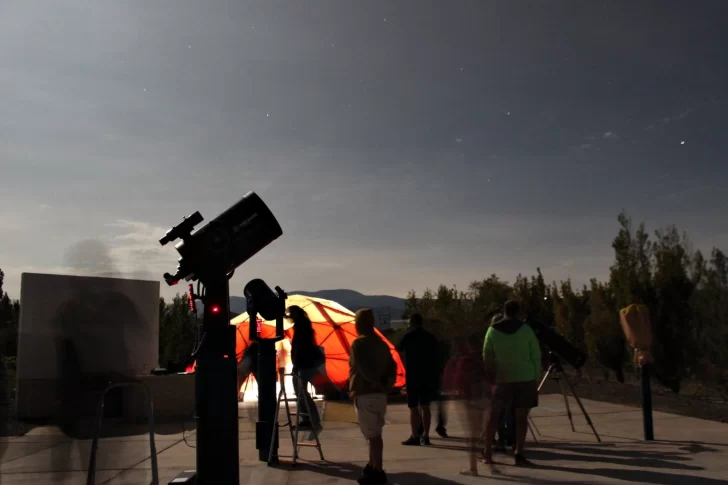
(334, 330)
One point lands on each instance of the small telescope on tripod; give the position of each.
(211, 255)
(559, 348)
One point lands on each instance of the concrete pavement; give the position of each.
(690, 451)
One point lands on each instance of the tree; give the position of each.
(630, 276)
(570, 309)
(487, 298)
(426, 303)
(672, 313)
(9, 322)
(411, 305)
(706, 355)
(450, 308)
(602, 332)
(177, 331)
(533, 295)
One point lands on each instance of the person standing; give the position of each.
(443, 357)
(506, 435)
(372, 373)
(283, 358)
(512, 354)
(306, 356)
(248, 366)
(420, 351)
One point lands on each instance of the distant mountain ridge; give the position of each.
(382, 305)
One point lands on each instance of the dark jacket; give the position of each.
(305, 354)
(421, 356)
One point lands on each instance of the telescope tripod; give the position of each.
(559, 376)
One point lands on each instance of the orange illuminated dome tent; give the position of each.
(334, 331)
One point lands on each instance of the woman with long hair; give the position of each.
(306, 357)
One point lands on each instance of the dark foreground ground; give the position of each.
(687, 450)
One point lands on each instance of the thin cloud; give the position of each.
(670, 119)
(136, 250)
(610, 135)
(685, 113)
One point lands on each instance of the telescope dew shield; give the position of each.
(261, 300)
(233, 237)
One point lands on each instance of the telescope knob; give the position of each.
(170, 280)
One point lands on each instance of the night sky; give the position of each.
(400, 144)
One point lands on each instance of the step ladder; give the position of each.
(301, 402)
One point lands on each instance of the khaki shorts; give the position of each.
(370, 412)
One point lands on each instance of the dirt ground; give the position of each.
(693, 401)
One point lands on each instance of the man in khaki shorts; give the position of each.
(372, 374)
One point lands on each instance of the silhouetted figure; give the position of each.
(70, 387)
(443, 357)
(248, 365)
(420, 351)
(306, 357)
(507, 420)
(372, 373)
(512, 349)
(85, 367)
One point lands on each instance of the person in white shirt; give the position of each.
(283, 357)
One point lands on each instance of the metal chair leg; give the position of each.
(91, 477)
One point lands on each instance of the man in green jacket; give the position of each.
(513, 357)
(372, 373)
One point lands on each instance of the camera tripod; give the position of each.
(559, 376)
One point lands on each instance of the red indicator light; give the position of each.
(191, 299)
(215, 308)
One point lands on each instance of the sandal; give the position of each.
(488, 460)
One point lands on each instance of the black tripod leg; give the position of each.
(566, 401)
(532, 426)
(581, 406)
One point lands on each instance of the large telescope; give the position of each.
(211, 255)
(558, 344)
